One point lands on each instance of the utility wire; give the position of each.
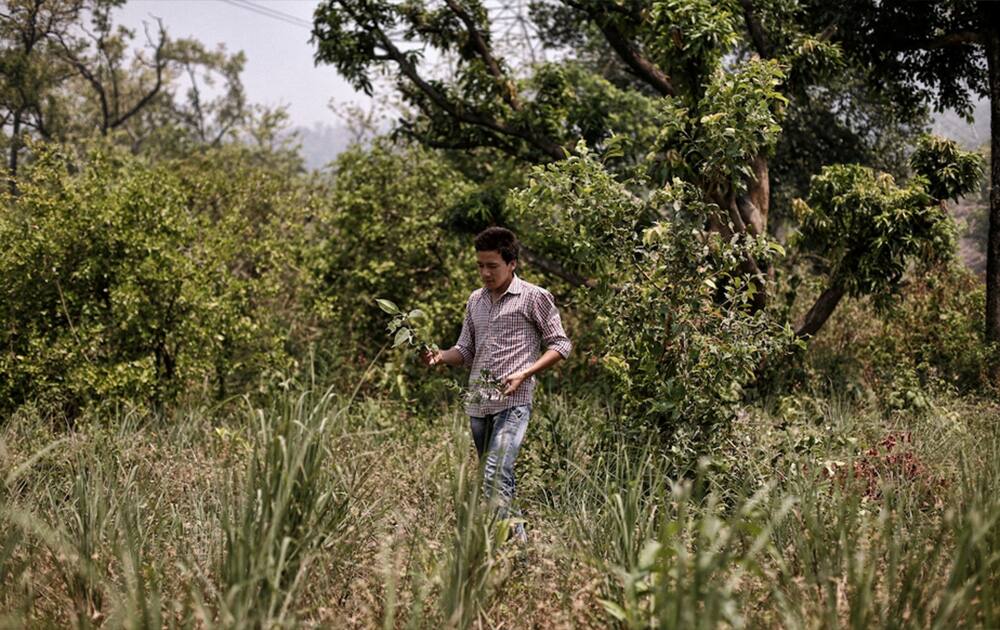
(275, 12)
(269, 13)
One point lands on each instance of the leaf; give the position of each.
(387, 306)
(416, 315)
(613, 609)
(647, 557)
(402, 337)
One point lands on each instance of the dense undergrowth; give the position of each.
(319, 508)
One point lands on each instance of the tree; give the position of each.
(69, 72)
(938, 52)
(701, 90)
(26, 31)
(126, 279)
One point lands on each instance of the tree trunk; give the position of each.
(820, 312)
(15, 148)
(992, 33)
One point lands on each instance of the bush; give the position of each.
(382, 235)
(122, 279)
(931, 335)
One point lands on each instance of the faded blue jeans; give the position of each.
(498, 438)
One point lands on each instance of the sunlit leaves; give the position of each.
(950, 172)
(869, 229)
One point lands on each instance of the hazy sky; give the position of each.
(279, 68)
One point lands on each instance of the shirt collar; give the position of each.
(514, 288)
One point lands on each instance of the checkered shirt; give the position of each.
(504, 337)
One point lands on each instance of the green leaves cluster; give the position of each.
(121, 279)
(949, 171)
(380, 235)
(715, 144)
(406, 328)
(868, 229)
(671, 323)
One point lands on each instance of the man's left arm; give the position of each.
(557, 345)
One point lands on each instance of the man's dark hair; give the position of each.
(498, 239)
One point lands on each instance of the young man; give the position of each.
(505, 324)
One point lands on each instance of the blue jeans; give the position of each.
(498, 438)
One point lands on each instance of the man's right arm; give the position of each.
(464, 349)
(451, 356)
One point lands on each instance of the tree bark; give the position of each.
(992, 37)
(15, 147)
(820, 311)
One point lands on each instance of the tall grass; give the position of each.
(819, 550)
(293, 501)
(472, 569)
(313, 510)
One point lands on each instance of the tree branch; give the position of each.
(556, 269)
(754, 28)
(821, 310)
(92, 79)
(458, 112)
(629, 53)
(160, 65)
(506, 85)
(948, 40)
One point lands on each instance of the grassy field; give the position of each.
(317, 510)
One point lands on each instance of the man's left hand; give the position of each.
(512, 382)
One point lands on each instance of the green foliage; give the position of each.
(715, 144)
(950, 172)
(690, 37)
(123, 279)
(869, 229)
(290, 504)
(670, 303)
(931, 338)
(380, 235)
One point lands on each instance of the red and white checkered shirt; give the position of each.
(504, 337)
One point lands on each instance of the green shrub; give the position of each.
(120, 279)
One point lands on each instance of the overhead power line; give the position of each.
(268, 12)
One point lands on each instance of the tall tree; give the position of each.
(68, 71)
(945, 53)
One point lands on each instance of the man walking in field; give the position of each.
(506, 323)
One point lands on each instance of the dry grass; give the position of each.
(387, 566)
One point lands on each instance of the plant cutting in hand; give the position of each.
(486, 387)
(406, 327)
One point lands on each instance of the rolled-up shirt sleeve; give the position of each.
(466, 344)
(546, 317)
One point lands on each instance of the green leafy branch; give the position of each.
(407, 328)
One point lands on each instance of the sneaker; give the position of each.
(517, 533)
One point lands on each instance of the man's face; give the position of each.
(493, 271)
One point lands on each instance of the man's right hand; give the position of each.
(433, 357)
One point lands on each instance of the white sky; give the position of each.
(279, 68)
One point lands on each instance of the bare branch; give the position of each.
(70, 56)
(160, 65)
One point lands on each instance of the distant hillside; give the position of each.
(321, 143)
(971, 136)
(970, 212)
